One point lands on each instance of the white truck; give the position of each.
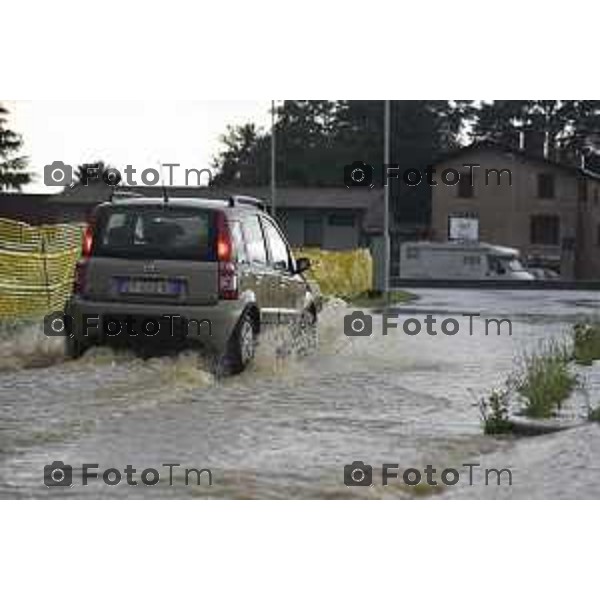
(460, 260)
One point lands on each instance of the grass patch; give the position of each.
(586, 343)
(545, 380)
(372, 299)
(495, 410)
(594, 414)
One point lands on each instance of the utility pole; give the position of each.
(386, 200)
(273, 161)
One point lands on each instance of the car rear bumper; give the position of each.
(210, 326)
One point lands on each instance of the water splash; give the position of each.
(284, 349)
(281, 349)
(25, 346)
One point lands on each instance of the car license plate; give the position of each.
(153, 287)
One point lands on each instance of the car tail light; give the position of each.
(224, 244)
(80, 277)
(228, 280)
(87, 241)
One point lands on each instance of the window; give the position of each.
(512, 264)
(114, 222)
(465, 187)
(238, 241)
(545, 183)
(568, 243)
(500, 265)
(544, 229)
(168, 233)
(255, 242)
(313, 231)
(279, 254)
(341, 220)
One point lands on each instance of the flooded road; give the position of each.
(287, 427)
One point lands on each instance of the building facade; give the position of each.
(548, 210)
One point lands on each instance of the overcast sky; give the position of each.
(137, 133)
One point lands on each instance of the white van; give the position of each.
(460, 260)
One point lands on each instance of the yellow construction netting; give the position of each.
(36, 267)
(340, 273)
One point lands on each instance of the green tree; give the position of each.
(420, 131)
(13, 174)
(80, 174)
(307, 148)
(316, 138)
(239, 161)
(566, 125)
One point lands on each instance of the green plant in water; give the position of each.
(586, 342)
(545, 380)
(594, 414)
(495, 412)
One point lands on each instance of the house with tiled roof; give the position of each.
(546, 207)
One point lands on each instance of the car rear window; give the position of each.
(156, 233)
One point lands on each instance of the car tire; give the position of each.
(74, 348)
(241, 346)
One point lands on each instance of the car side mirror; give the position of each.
(282, 265)
(302, 264)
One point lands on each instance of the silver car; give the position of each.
(200, 271)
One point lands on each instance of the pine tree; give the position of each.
(13, 174)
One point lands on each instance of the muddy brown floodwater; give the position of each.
(287, 427)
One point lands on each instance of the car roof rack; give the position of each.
(250, 200)
(116, 195)
(232, 200)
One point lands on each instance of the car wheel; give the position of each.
(242, 345)
(74, 348)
